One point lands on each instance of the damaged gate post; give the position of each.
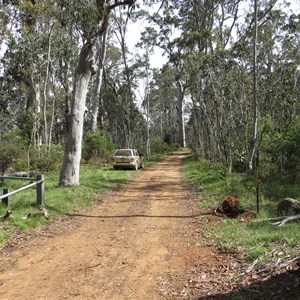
(40, 188)
(5, 201)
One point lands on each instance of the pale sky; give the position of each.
(157, 60)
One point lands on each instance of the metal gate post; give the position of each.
(40, 188)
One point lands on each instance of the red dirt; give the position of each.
(143, 241)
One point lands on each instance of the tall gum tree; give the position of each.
(69, 175)
(161, 35)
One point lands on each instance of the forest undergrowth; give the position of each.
(261, 243)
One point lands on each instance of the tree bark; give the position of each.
(69, 174)
(252, 146)
(45, 136)
(179, 108)
(35, 136)
(97, 106)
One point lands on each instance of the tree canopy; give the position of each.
(67, 72)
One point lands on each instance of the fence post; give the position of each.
(40, 187)
(5, 201)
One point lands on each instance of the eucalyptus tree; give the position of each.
(278, 63)
(253, 142)
(279, 81)
(6, 114)
(146, 100)
(126, 123)
(215, 92)
(220, 66)
(263, 61)
(96, 111)
(20, 66)
(112, 109)
(7, 12)
(92, 21)
(162, 111)
(130, 69)
(161, 35)
(27, 64)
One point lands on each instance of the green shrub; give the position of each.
(45, 158)
(253, 239)
(159, 146)
(280, 153)
(13, 149)
(97, 147)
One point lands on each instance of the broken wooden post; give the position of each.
(5, 201)
(40, 188)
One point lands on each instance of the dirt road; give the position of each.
(143, 242)
(131, 246)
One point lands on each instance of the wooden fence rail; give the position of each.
(40, 189)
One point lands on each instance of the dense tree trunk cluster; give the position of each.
(228, 87)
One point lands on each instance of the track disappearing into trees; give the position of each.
(126, 247)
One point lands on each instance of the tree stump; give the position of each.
(287, 206)
(230, 207)
(7, 215)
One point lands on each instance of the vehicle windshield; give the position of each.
(123, 153)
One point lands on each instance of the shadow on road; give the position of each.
(284, 286)
(131, 216)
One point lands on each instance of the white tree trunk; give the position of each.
(71, 166)
(36, 139)
(253, 142)
(44, 107)
(86, 67)
(179, 109)
(96, 100)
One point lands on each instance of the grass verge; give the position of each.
(252, 239)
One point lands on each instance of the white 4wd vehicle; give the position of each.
(128, 158)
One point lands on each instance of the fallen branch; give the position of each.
(287, 219)
(269, 219)
(251, 267)
(43, 211)
(285, 264)
(282, 220)
(273, 261)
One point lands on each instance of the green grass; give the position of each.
(94, 181)
(216, 184)
(59, 200)
(252, 239)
